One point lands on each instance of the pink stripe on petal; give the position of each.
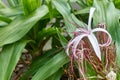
(105, 31)
(69, 45)
(71, 42)
(78, 39)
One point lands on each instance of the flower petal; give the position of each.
(92, 9)
(105, 31)
(95, 45)
(76, 42)
(69, 45)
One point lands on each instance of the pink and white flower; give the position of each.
(74, 46)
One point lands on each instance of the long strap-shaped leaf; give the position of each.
(39, 62)
(51, 66)
(9, 58)
(20, 26)
(69, 18)
(30, 5)
(64, 9)
(108, 14)
(8, 12)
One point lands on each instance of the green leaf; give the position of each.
(39, 62)
(51, 66)
(2, 5)
(63, 8)
(118, 59)
(20, 26)
(83, 11)
(8, 12)
(82, 3)
(117, 3)
(69, 18)
(9, 57)
(56, 76)
(45, 33)
(5, 19)
(3, 24)
(30, 5)
(90, 72)
(50, 10)
(78, 23)
(103, 14)
(62, 38)
(13, 3)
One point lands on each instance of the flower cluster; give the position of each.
(80, 33)
(86, 44)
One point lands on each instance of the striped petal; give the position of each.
(105, 31)
(74, 47)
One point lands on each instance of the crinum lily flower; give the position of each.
(80, 33)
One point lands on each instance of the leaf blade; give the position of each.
(51, 66)
(20, 26)
(9, 58)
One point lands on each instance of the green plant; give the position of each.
(31, 24)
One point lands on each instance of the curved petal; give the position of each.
(105, 31)
(69, 45)
(95, 45)
(71, 42)
(92, 9)
(74, 47)
(82, 30)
